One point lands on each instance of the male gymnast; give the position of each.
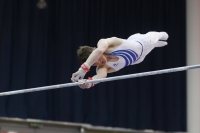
(113, 54)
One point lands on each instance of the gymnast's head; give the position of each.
(84, 52)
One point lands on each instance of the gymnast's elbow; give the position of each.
(104, 75)
(100, 75)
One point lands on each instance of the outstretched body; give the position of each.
(113, 54)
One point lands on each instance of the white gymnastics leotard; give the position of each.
(133, 50)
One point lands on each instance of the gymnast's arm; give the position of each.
(101, 73)
(102, 46)
(94, 56)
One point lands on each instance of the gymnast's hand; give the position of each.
(84, 85)
(80, 73)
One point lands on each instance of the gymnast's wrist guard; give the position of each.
(85, 67)
(92, 84)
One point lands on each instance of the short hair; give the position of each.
(83, 53)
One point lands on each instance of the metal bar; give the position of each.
(102, 80)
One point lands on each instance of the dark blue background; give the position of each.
(38, 48)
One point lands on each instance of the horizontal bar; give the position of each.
(102, 80)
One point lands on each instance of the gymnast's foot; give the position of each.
(160, 44)
(163, 36)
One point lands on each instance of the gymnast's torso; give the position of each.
(129, 52)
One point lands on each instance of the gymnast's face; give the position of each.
(101, 61)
